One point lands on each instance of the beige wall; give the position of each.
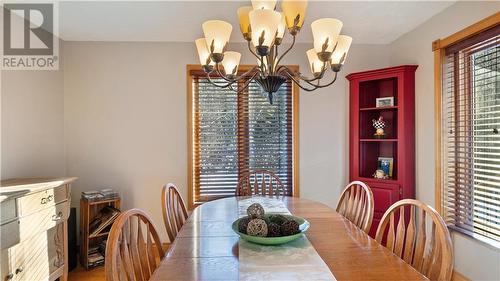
(125, 120)
(472, 258)
(32, 118)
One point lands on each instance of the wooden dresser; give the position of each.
(33, 229)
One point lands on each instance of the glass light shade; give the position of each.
(203, 53)
(281, 27)
(244, 19)
(292, 9)
(230, 62)
(323, 29)
(266, 21)
(264, 4)
(218, 32)
(314, 62)
(342, 48)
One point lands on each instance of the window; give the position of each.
(470, 138)
(233, 133)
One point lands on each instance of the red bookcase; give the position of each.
(398, 142)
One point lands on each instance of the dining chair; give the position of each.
(133, 249)
(260, 182)
(174, 210)
(426, 247)
(356, 204)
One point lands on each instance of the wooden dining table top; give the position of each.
(206, 247)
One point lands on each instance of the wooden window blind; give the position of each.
(470, 135)
(234, 133)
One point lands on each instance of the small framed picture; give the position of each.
(383, 102)
(386, 164)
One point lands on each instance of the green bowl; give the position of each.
(303, 226)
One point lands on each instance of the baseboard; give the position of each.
(458, 277)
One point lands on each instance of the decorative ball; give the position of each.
(242, 225)
(273, 230)
(289, 228)
(257, 227)
(278, 219)
(255, 210)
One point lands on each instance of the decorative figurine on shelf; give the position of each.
(380, 174)
(379, 126)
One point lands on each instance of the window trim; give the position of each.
(190, 68)
(438, 47)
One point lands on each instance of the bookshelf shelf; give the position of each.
(371, 179)
(378, 108)
(89, 210)
(377, 140)
(99, 235)
(395, 153)
(101, 202)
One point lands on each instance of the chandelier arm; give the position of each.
(232, 89)
(288, 50)
(320, 76)
(234, 79)
(317, 86)
(302, 77)
(230, 85)
(306, 79)
(259, 58)
(247, 73)
(247, 83)
(298, 83)
(222, 75)
(276, 53)
(218, 85)
(271, 59)
(318, 80)
(299, 76)
(280, 68)
(251, 51)
(328, 84)
(262, 66)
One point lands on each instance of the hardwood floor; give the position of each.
(96, 274)
(80, 274)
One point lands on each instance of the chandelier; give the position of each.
(264, 28)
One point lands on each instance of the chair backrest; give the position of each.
(174, 210)
(426, 247)
(260, 182)
(130, 249)
(356, 204)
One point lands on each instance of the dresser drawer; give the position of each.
(38, 257)
(31, 225)
(40, 200)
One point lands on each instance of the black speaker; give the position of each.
(72, 248)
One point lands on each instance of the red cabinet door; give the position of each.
(384, 195)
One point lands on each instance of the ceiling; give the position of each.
(370, 22)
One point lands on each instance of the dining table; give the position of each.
(207, 248)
